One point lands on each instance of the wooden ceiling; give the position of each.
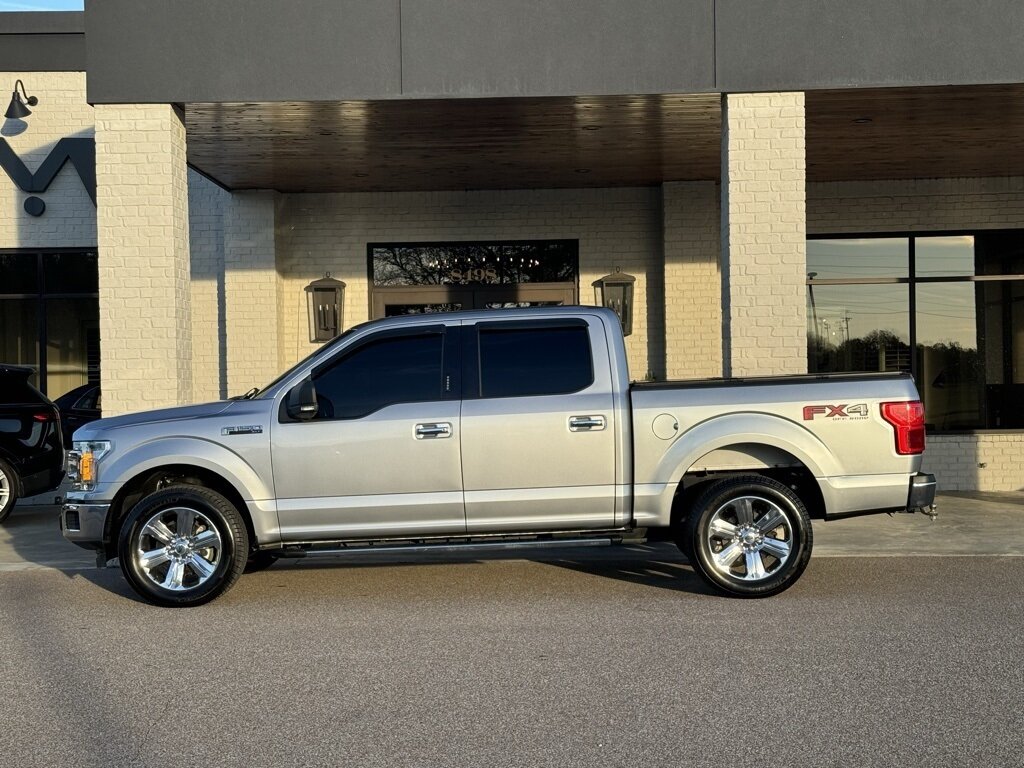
(456, 143)
(910, 133)
(540, 143)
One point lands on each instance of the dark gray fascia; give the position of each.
(42, 42)
(42, 23)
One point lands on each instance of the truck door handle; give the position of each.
(586, 423)
(433, 431)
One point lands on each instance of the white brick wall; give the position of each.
(915, 205)
(206, 203)
(693, 295)
(250, 290)
(976, 462)
(615, 227)
(763, 234)
(70, 217)
(142, 218)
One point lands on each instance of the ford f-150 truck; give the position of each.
(485, 428)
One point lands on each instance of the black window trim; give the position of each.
(472, 371)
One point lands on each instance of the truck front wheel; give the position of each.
(748, 536)
(183, 546)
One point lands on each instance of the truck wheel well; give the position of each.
(154, 479)
(798, 478)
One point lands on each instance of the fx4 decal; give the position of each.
(844, 411)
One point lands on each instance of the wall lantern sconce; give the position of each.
(16, 110)
(615, 292)
(325, 299)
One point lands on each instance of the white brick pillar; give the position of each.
(250, 290)
(764, 234)
(142, 233)
(693, 286)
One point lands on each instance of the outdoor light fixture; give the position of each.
(326, 301)
(615, 292)
(17, 109)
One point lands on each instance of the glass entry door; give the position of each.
(418, 299)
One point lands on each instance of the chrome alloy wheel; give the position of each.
(750, 538)
(178, 548)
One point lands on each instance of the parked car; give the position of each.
(77, 408)
(31, 448)
(477, 428)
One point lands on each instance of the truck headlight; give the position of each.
(83, 459)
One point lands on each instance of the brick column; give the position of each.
(206, 242)
(764, 233)
(142, 233)
(693, 287)
(250, 290)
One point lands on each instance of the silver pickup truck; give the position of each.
(486, 428)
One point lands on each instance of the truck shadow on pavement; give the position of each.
(31, 538)
(659, 565)
(647, 565)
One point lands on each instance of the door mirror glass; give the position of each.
(301, 402)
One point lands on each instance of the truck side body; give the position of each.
(511, 423)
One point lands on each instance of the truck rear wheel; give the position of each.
(8, 490)
(748, 536)
(183, 546)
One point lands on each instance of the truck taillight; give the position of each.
(907, 419)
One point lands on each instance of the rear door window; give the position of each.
(522, 362)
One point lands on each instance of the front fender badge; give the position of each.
(254, 429)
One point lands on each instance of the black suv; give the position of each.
(31, 446)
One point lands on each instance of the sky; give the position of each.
(41, 5)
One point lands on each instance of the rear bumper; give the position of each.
(868, 494)
(922, 491)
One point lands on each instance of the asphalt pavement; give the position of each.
(614, 656)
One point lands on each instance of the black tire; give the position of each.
(743, 557)
(9, 483)
(260, 561)
(222, 522)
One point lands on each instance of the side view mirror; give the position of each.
(301, 401)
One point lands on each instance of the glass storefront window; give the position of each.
(949, 256)
(72, 344)
(49, 317)
(18, 273)
(19, 334)
(956, 321)
(71, 272)
(858, 328)
(949, 371)
(503, 263)
(858, 257)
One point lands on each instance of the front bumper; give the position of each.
(84, 523)
(922, 492)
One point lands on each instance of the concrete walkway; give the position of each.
(968, 524)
